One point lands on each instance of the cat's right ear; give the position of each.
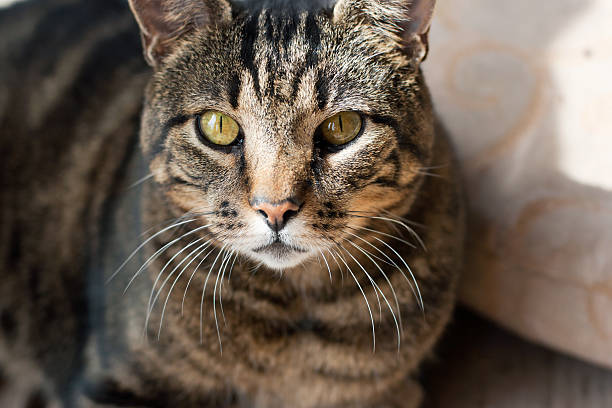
(403, 22)
(163, 22)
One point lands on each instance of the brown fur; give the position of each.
(298, 331)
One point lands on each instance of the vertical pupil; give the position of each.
(220, 124)
(340, 121)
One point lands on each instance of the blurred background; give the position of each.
(524, 88)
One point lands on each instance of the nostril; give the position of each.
(288, 214)
(276, 214)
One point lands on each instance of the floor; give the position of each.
(478, 365)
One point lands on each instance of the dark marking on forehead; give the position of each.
(271, 68)
(312, 32)
(268, 27)
(289, 30)
(322, 88)
(247, 51)
(233, 89)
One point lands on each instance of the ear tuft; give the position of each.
(162, 22)
(405, 22)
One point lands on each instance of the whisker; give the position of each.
(328, 268)
(220, 273)
(149, 307)
(383, 234)
(339, 267)
(420, 297)
(229, 276)
(191, 278)
(406, 220)
(222, 268)
(161, 272)
(221, 286)
(159, 252)
(372, 282)
(428, 174)
(142, 245)
(365, 298)
(440, 166)
(397, 325)
(410, 230)
(390, 260)
(204, 291)
(206, 245)
(140, 181)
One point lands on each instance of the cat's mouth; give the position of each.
(279, 247)
(280, 255)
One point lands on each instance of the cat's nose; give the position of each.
(276, 214)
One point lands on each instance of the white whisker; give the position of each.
(384, 234)
(328, 268)
(142, 245)
(221, 286)
(366, 301)
(220, 273)
(158, 253)
(420, 298)
(161, 272)
(397, 324)
(204, 291)
(140, 181)
(191, 278)
(206, 245)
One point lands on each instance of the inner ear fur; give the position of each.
(163, 22)
(405, 22)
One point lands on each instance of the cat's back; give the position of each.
(71, 83)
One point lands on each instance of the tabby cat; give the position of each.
(263, 229)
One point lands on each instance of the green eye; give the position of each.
(341, 128)
(218, 128)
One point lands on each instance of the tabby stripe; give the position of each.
(247, 52)
(390, 180)
(312, 32)
(233, 89)
(404, 144)
(166, 127)
(385, 120)
(322, 88)
(289, 30)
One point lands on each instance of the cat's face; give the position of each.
(273, 185)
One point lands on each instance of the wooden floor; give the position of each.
(478, 365)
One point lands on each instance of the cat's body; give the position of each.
(73, 78)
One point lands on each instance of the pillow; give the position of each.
(524, 88)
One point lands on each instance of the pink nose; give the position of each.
(276, 215)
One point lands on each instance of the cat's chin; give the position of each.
(279, 256)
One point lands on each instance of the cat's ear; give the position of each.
(162, 22)
(406, 21)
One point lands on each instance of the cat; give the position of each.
(249, 220)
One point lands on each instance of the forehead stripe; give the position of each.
(247, 51)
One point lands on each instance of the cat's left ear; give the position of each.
(163, 22)
(406, 21)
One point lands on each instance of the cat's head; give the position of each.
(286, 129)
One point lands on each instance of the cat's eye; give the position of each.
(341, 128)
(218, 128)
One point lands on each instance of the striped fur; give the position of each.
(300, 335)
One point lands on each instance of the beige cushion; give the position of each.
(525, 88)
